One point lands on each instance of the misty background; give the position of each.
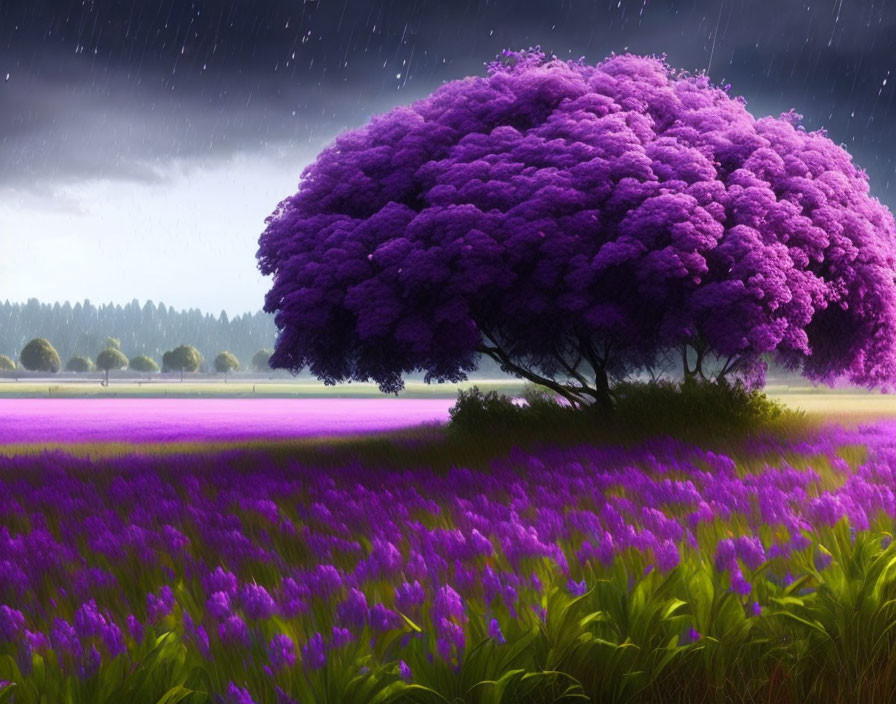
(142, 144)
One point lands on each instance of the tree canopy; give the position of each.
(111, 358)
(143, 363)
(181, 359)
(79, 364)
(6, 364)
(575, 223)
(226, 362)
(39, 355)
(261, 360)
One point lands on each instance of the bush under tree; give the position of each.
(144, 363)
(226, 362)
(40, 356)
(576, 223)
(261, 360)
(79, 365)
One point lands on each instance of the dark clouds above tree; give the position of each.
(114, 88)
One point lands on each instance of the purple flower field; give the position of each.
(173, 420)
(260, 579)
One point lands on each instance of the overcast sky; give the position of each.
(142, 144)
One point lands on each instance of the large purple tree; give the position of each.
(575, 223)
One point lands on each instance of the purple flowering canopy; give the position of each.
(576, 223)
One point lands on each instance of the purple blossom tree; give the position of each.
(575, 223)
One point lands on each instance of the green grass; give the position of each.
(235, 388)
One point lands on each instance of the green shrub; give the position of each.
(668, 406)
(79, 365)
(226, 362)
(6, 364)
(143, 363)
(657, 407)
(40, 356)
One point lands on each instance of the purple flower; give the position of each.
(383, 619)
(576, 588)
(65, 639)
(238, 695)
(234, 630)
(158, 607)
(88, 620)
(36, 642)
(200, 637)
(12, 624)
(666, 555)
(353, 611)
(691, 636)
(340, 638)
(450, 639)
(750, 551)
(822, 560)
(404, 671)
(448, 604)
(281, 652)
(257, 603)
(112, 638)
(495, 633)
(408, 596)
(220, 581)
(739, 585)
(314, 654)
(91, 664)
(218, 605)
(135, 629)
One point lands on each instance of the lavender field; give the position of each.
(138, 420)
(658, 572)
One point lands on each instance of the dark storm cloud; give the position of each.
(118, 89)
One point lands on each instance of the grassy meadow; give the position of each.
(579, 563)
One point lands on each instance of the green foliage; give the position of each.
(261, 360)
(79, 364)
(111, 358)
(670, 406)
(6, 364)
(476, 411)
(181, 359)
(112, 343)
(143, 363)
(226, 362)
(39, 355)
(650, 408)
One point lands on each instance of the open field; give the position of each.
(660, 572)
(842, 404)
(330, 550)
(236, 388)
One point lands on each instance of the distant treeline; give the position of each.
(81, 329)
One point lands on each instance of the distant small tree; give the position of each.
(143, 363)
(261, 360)
(226, 362)
(109, 359)
(40, 356)
(183, 359)
(79, 365)
(6, 364)
(112, 343)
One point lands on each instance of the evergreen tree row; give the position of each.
(82, 329)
